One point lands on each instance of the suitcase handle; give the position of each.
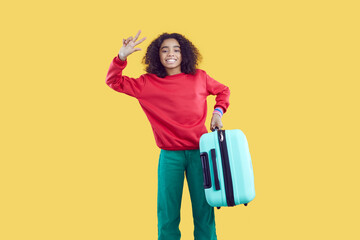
(206, 169)
(216, 177)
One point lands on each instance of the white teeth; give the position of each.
(171, 60)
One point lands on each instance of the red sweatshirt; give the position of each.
(175, 105)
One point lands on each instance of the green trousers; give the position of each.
(172, 169)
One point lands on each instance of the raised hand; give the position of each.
(128, 46)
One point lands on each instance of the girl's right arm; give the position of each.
(121, 83)
(115, 79)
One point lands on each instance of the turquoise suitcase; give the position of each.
(227, 168)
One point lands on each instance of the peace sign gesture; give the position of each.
(128, 46)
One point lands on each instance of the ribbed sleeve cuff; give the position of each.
(120, 62)
(218, 111)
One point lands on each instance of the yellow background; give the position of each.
(79, 161)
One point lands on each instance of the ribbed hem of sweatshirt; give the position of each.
(179, 148)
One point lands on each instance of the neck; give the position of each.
(173, 71)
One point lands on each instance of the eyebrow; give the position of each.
(168, 47)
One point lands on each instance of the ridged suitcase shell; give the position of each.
(239, 165)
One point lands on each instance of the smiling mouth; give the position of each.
(170, 60)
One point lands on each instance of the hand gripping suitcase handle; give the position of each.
(216, 177)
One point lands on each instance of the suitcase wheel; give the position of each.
(245, 204)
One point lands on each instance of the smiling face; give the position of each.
(170, 56)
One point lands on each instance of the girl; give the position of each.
(173, 96)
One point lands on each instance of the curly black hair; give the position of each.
(189, 53)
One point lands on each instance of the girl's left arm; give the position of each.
(221, 91)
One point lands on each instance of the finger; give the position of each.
(128, 40)
(140, 41)
(217, 125)
(137, 49)
(137, 35)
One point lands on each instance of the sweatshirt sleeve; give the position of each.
(121, 83)
(221, 91)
